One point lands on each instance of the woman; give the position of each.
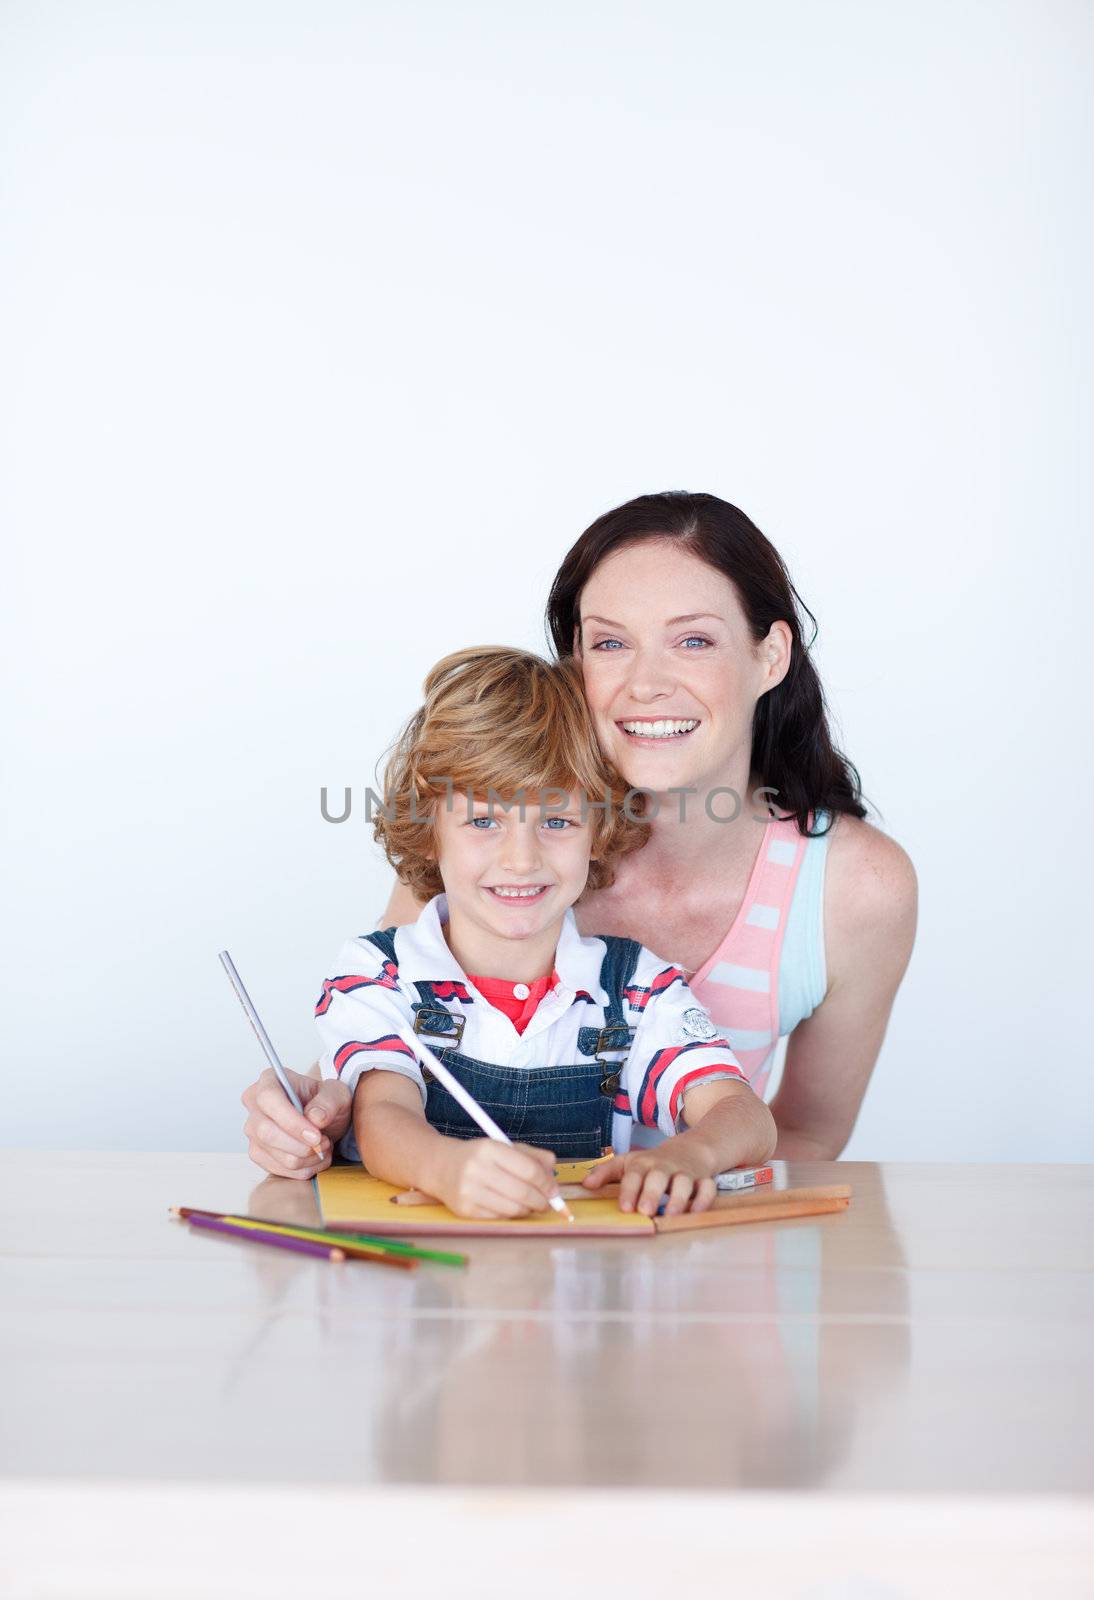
(788, 912)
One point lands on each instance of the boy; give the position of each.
(498, 803)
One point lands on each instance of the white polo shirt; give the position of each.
(675, 1043)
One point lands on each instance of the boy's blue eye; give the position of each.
(488, 822)
(558, 824)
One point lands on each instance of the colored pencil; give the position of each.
(305, 1247)
(359, 1243)
(264, 1039)
(359, 1252)
(446, 1258)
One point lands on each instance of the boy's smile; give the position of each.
(510, 881)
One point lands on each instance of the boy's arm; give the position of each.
(478, 1178)
(728, 1125)
(393, 1136)
(682, 1078)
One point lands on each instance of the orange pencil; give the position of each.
(280, 1241)
(359, 1252)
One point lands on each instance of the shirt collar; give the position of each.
(578, 961)
(423, 956)
(421, 949)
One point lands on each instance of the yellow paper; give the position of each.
(348, 1195)
(574, 1171)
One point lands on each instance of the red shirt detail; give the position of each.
(499, 992)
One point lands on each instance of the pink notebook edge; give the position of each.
(516, 1229)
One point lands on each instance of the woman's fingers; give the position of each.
(268, 1099)
(283, 1142)
(328, 1105)
(264, 1131)
(285, 1166)
(271, 1140)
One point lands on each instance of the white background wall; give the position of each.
(327, 327)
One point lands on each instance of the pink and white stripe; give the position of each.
(739, 983)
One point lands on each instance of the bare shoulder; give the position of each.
(871, 891)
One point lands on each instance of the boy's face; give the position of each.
(509, 878)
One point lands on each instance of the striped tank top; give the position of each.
(768, 974)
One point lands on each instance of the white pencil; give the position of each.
(469, 1103)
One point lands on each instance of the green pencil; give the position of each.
(448, 1258)
(376, 1242)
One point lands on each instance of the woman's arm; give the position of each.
(278, 1139)
(869, 929)
(403, 906)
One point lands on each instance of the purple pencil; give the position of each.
(281, 1241)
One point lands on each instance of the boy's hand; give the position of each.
(484, 1178)
(674, 1168)
(279, 1138)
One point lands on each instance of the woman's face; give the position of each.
(672, 673)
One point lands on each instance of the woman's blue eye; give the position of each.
(610, 646)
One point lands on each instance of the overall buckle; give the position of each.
(434, 1022)
(614, 1036)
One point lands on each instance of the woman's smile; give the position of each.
(651, 732)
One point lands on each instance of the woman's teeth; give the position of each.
(520, 894)
(659, 730)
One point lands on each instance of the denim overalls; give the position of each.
(565, 1109)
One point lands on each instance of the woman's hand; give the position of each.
(674, 1168)
(483, 1178)
(279, 1138)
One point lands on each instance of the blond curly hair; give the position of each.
(502, 720)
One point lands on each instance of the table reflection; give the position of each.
(747, 1356)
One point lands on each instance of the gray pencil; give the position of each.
(260, 1033)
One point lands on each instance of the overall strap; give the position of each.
(384, 940)
(430, 1016)
(615, 1039)
(616, 972)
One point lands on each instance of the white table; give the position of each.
(895, 1395)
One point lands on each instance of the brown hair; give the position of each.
(792, 747)
(502, 720)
